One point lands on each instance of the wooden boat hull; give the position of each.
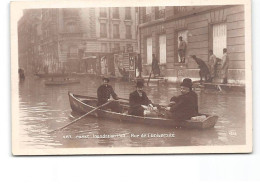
(83, 104)
(51, 75)
(61, 82)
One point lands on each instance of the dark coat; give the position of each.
(135, 102)
(155, 67)
(104, 92)
(139, 64)
(186, 106)
(202, 65)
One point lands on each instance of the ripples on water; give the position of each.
(43, 109)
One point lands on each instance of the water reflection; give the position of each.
(43, 109)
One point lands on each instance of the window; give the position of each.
(184, 35)
(149, 50)
(103, 30)
(129, 47)
(73, 52)
(161, 8)
(116, 13)
(71, 27)
(162, 43)
(161, 13)
(116, 47)
(128, 32)
(148, 10)
(116, 31)
(128, 13)
(103, 47)
(219, 39)
(103, 12)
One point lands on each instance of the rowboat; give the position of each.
(51, 75)
(61, 82)
(83, 104)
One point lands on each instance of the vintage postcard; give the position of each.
(131, 77)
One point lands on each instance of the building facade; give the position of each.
(202, 28)
(29, 40)
(66, 36)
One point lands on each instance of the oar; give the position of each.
(149, 77)
(59, 129)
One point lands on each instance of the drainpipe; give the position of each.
(109, 29)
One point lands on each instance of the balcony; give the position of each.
(71, 35)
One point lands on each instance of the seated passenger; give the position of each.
(138, 100)
(184, 106)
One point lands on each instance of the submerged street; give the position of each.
(46, 108)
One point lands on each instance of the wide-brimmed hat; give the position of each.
(187, 82)
(139, 84)
(105, 78)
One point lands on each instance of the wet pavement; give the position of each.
(46, 108)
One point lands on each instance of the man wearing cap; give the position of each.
(182, 49)
(137, 100)
(184, 106)
(104, 92)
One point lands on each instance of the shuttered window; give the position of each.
(162, 41)
(219, 39)
(149, 51)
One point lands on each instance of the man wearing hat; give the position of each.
(184, 106)
(137, 100)
(104, 92)
(182, 49)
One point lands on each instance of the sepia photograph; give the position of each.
(131, 78)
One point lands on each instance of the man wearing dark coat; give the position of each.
(185, 106)
(137, 99)
(204, 70)
(104, 92)
(139, 66)
(155, 66)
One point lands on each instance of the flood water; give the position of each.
(46, 108)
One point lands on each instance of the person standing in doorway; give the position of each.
(182, 49)
(139, 66)
(212, 65)
(225, 64)
(155, 66)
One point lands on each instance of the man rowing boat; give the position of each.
(185, 106)
(104, 92)
(139, 103)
